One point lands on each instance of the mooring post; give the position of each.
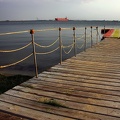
(97, 35)
(34, 52)
(60, 45)
(91, 38)
(85, 40)
(74, 41)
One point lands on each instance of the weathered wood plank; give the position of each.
(72, 91)
(79, 77)
(72, 107)
(91, 67)
(88, 86)
(77, 81)
(100, 64)
(34, 95)
(89, 73)
(36, 104)
(31, 113)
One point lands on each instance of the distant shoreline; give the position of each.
(54, 20)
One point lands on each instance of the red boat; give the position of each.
(61, 19)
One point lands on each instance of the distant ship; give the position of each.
(61, 19)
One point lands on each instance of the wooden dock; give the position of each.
(86, 87)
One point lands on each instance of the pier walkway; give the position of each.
(85, 87)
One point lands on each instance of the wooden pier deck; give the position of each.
(86, 87)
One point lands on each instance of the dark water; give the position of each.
(8, 42)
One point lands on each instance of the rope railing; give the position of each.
(10, 33)
(69, 50)
(18, 49)
(79, 38)
(86, 36)
(47, 45)
(45, 53)
(80, 47)
(67, 46)
(9, 65)
(46, 30)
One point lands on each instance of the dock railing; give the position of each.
(89, 34)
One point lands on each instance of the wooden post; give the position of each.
(85, 40)
(97, 35)
(74, 41)
(91, 38)
(34, 52)
(60, 45)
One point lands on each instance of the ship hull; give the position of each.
(61, 19)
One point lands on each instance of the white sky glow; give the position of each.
(49, 9)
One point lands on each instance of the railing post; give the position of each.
(91, 38)
(34, 52)
(85, 40)
(74, 41)
(97, 35)
(60, 45)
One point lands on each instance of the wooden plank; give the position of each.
(88, 65)
(72, 106)
(80, 106)
(87, 85)
(36, 104)
(87, 73)
(34, 95)
(100, 64)
(90, 68)
(32, 113)
(76, 84)
(79, 77)
(77, 94)
(78, 81)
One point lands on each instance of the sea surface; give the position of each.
(44, 38)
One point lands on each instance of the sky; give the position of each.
(50, 9)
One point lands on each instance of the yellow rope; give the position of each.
(16, 49)
(66, 28)
(48, 45)
(69, 50)
(10, 33)
(16, 62)
(67, 46)
(45, 30)
(48, 52)
(81, 46)
(79, 38)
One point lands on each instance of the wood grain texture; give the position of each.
(88, 87)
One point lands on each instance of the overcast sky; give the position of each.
(49, 9)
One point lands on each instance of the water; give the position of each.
(8, 42)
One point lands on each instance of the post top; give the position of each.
(59, 29)
(32, 31)
(73, 28)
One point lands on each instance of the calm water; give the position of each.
(9, 42)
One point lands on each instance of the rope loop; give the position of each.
(79, 38)
(16, 62)
(69, 50)
(15, 50)
(48, 52)
(80, 47)
(48, 45)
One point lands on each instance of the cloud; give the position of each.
(73, 1)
